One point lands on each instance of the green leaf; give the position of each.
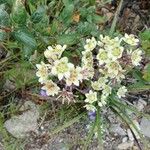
(19, 14)
(67, 124)
(67, 2)
(146, 73)
(22, 74)
(26, 51)
(98, 18)
(99, 129)
(4, 16)
(92, 2)
(3, 35)
(145, 35)
(68, 39)
(66, 14)
(86, 28)
(129, 107)
(138, 87)
(54, 26)
(37, 16)
(145, 41)
(146, 47)
(137, 74)
(90, 135)
(4, 22)
(24, 36)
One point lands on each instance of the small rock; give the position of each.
(145, 127)
(58, 146)
(135, 148)
(9, 85)
(104, 10)
(130, 135)
(115, 128)
(1, 146)
(125, 145)
(20, 125)
(124, 139)
(141, 104)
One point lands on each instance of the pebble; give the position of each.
(116, 129)
(125, 145)
(124, 139)
(19, 126)
(141, 104)
(145, 127)
(9, 85)
(130, 135)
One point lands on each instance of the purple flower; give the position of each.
(92, 115)
(43, 93)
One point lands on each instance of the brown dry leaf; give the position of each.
(76, 17)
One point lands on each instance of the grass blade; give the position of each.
(67, 124)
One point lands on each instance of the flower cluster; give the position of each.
(103, 66)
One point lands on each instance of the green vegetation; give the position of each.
(27, 28)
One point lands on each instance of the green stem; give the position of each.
(99, 130)
(113, 26)
(90, 135)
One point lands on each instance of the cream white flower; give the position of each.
(99, 43)
(120, 76)
(102, 56)
(42, 72)
(115, 53)
(121, 91)
(113, 67)
(54, 52)
(51, 88)
(106, 90)
(90, 44)
(103, 100)
(102, 82)
(62, 68)
(91, 97)
(130, 39)
(75, 76)
(105, 39)
(87, 72)
(136, 57)
(111, 45)
(90, 107)
(87, 59)
(95, 85)
(87, 65)
(99, 84)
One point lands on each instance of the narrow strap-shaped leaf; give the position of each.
(66, 124)
(99, 129)
(89, 137)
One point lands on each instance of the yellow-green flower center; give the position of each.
(116, 52)
(91, 97)
(114, 66)
(102, 55)
(88, 56)
(62, 67)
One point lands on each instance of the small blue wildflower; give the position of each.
(92, 115)
(43, 93)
